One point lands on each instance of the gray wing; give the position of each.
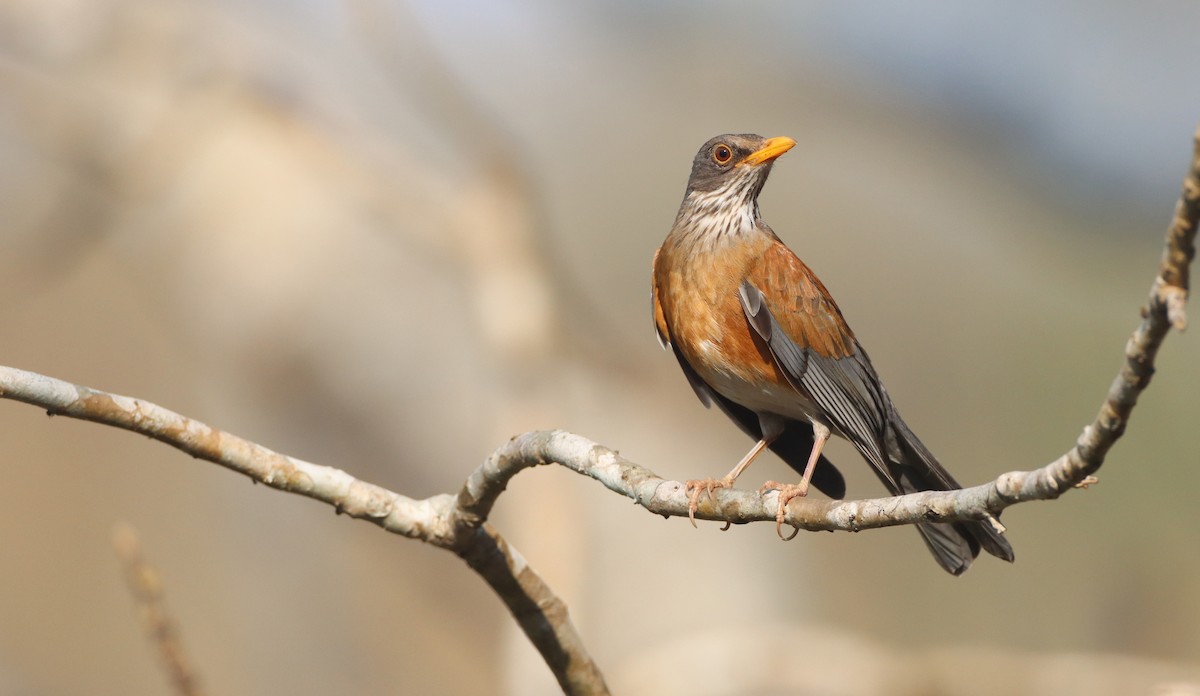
(846, 389)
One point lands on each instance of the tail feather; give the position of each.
(952, 549)
(954, 545)
(990, 534)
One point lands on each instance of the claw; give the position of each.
(693, 501)
(786, 493)
(694, 488)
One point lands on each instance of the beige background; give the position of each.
(387, 238)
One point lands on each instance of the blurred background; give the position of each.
(387, 236)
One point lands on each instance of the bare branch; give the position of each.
(437, 520)
(1166, 308)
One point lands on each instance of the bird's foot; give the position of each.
(695, 487)
(787, 491)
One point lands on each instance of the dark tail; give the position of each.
(956, 544)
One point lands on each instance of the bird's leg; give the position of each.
(693, 488)
(792, 490)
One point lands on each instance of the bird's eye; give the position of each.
(722, 153)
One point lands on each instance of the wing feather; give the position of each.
(809, 339)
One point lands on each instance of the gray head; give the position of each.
(727, 176)
(745, 158)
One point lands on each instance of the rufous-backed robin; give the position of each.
(757, 334)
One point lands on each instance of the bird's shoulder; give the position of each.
(800, 303)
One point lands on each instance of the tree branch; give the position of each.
(437, 520)
(1166, 308)
(457, 522)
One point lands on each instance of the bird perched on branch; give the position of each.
(757, 334)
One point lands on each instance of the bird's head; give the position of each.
(727, 175)
(734, 162)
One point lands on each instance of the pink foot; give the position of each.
(695, 487)
(787, 491)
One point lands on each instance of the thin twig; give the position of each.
(146, 586)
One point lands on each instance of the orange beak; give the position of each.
(769, 151)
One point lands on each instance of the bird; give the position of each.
(757, 333)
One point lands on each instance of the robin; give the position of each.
(757, 333)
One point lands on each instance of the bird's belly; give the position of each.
(762, 395)
(743, 371)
